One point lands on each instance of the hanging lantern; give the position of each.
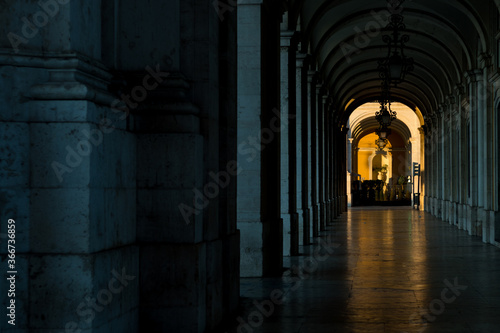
(385, 115)
(395, 66)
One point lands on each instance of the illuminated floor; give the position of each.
(387, 270)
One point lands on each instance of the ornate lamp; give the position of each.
(385, 115)
(396, 65)
(381, 143)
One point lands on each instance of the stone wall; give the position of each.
(114, 114)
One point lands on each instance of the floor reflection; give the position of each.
(390, 270)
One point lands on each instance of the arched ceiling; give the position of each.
(362, 122)
(344, 38)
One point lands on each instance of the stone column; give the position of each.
(333, 150)
(454, 146)
(307, 181)
(464, 160)
(294, 149)
(67, 172)
(438, 137)
(258, 196)
(349, 169)
(321, 159)
(474, 224)
(328, 165)
(427, 179)
(486, 143)
(480, 137)
(314, 165)
(286, 37)
(461, 157)
(300, 84)
(436, 172)
(447, 168)
(429, 170)
(445, 161)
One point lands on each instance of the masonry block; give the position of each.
(14, 154)
(173, 299)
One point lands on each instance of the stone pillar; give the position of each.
(328, 166)
(67, 174)
(481, 126)
(314, 165)
(486, 143)
(258, 196)
(294, 149)
(435, 163)
(286, 73)
(438, 139)
(349, 169)
(474, 224)
(462, 146)
(445, 167)
(307, 181)
(454, 146)
(464, 162)
(427, 174)
(427, 179)
(300, 84)
(333, 152)
(445, 161)
(186, 215)
(321, 159)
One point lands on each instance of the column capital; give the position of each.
(451, 99)
(300, 58)
(319, 88)
(484, 60)
(459, 89)
(473, 76)
(443, 109)
(311, 75)
(286, 39)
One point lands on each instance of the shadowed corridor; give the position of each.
(380, 270)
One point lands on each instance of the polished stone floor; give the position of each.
(380, 270)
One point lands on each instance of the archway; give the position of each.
(382, 176)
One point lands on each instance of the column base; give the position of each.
(287, 234)
(315, 219)
(462, 216)
(454, 213)
(484, 217)
(322, 216)
(496, 225)
(471, 221)
(444, 210)
(328, 212)
(294, 234)
(307, 226)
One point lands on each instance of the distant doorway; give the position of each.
(382, 175)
